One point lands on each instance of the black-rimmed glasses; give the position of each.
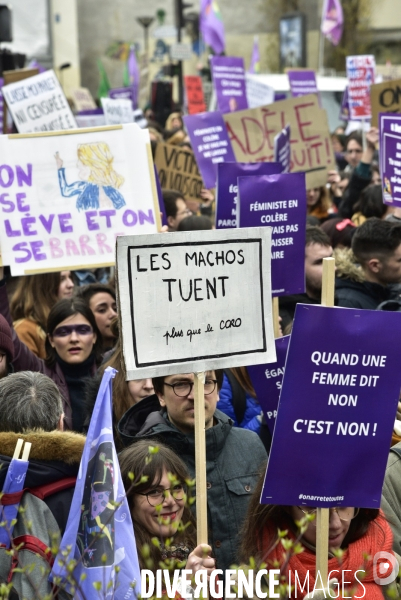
(158, 495)
(184, 388)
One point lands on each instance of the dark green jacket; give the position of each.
(234, 460)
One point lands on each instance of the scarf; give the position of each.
(358, 556)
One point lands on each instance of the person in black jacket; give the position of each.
(377, 247)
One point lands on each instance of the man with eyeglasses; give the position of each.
(234, 456)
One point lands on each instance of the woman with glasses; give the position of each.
(360, 533)
(73, 352)
(156, 482)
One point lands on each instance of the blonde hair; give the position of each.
(99, 159)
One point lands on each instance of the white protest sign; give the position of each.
(38, 104)
(257, 92)
(182, 308)
(65, 197)
(116, 111)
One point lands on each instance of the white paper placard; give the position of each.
(38, 104)
(64, 197)
(117, 111)
(194, 301)
(257, 92)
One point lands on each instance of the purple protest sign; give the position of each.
(278, 201)
(340, 392)
(390, 157)
(1, 105)
(278, 96)
(229, 83)
(227, 188)
(344, 109)
(303, 82)
(210, 143)
(282, 149)
(124, 93)
(267, 381)
(160, 198)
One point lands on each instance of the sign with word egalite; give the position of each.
(181, 306)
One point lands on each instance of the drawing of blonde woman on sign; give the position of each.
(99, 182)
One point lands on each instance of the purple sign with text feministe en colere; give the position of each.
(336, 412)
(227, 188)
(278, 201)
(210, 143)
(267, 381)
(390, 157)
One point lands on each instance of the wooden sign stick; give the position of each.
(323, 514)
(200, 458)
(276, 322)
(18, 448)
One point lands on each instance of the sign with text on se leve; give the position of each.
(338, 400)
(205, 323)
(65, 197)
(252, 132)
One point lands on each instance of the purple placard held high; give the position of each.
(267, 381)
(227, 188)
(282, 149)
(278, 201)
(336, 412)
(229, 83)
(124, 93)
(302, 83)
(344, 109)
(390, 157)
(210, 143)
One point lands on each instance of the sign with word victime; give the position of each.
(178, 170)
(181, 309)
(65, 197)
(339, 396)
(385, 97)
(38, 104)
(252, 134)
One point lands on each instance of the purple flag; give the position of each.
(336, 412)
(211, 26)
(255, 58)
(267, 381)
(132, 77)
(99, 535)
(332, 21)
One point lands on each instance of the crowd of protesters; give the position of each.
(59, 332)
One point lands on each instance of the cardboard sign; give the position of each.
(258, 93)
(340, 392)
(38, 104)
(179, 303)
(278, 201)
(267, 382)
(361, 75)
(64, 198)
(178, 170)
(390, 157)
(252, 135)
(282, 149)
(83, 99)
(302, 82)
(385, 97)
(194, 94)
(227, 188)
(210, 144)
(228, 74)
(117, 112)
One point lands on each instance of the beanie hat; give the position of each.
(6, 339)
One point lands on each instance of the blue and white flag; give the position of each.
(99, 535)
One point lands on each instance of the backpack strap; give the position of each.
(239, 396)
(41, 491)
